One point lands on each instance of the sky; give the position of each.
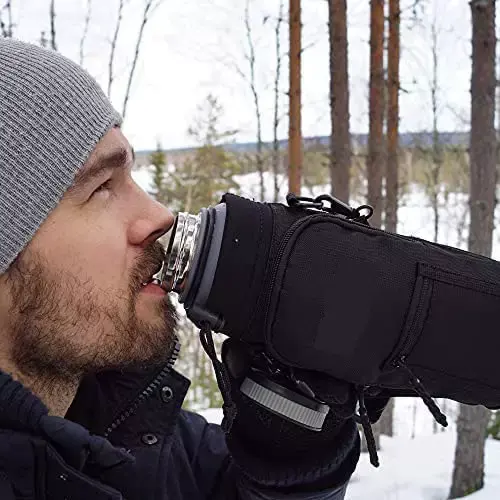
(196, 47)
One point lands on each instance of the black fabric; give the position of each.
(274, 451)
(46, 457)
(251, 236)
(322, 293)
(361, 304)
(245, 243)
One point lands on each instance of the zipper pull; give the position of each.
(367, 427)
(422, 392)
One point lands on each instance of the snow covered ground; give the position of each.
(412, 469)
(417, 463)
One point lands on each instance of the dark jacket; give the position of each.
(124, 437)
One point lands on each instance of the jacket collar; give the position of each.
(79, 436)
(103, 397)
(21, 410)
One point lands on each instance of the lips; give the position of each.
(154, 280)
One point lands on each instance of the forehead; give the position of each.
(112, 151)
(112, 142)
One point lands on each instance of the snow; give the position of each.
(412, 469)
(417, 463)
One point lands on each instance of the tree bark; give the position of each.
(53, 44)
(85, 31)
(340, 139)
(295, 126)
(386, 422)
(375, 161)
(111, 61)
(148, 10)
(7, 30)
(482, 138)
(256, 100)
(437, 153)
(468, 473)
(277, 78)
(392, 183)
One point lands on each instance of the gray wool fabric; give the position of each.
(52, 114)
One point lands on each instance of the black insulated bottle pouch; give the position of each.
(384, 310)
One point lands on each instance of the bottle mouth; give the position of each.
(180, 252)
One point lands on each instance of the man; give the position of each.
(89, 402)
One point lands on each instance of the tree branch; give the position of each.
(85, 29)
(53, 43)
(276, 118)
(253, 87)
(7, 30)
(113, 46)
(149, 8)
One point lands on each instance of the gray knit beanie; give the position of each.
(52, 114)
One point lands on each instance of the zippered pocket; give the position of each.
(361, 305)
(415, 319)
(325, 300)
(450, 338)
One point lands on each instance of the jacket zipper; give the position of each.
(147, 392)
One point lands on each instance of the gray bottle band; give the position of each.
(198, 312)
(294, 411)
(196, 257)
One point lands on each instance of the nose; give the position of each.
(151, 225)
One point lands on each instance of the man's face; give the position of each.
(74, 299)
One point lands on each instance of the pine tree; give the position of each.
(468, 472)
(201, 179)
(158, 160)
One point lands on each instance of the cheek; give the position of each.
(95, 252)
(104, 259)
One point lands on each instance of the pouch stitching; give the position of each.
(261, 231)
(438, 274)
(424, 300)
(270, 324)
(475, 383)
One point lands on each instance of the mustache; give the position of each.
(151, 260)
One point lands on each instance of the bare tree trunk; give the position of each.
(295, 127)
(468, 473)
(375, 160)
(7, 30)
(437, 155)
(3, 28)
(113, 47)
(256, 101)
(85, 30)
(53, 44)
(414, 418)
(386, 421)
(277, 77)
(340, 140)
(392, 183)
(148, 10)
(482, 140)
(43, 40)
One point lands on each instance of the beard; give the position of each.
(63, 327)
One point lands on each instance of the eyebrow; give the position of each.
(113, 160)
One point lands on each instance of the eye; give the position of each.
(105, 186)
